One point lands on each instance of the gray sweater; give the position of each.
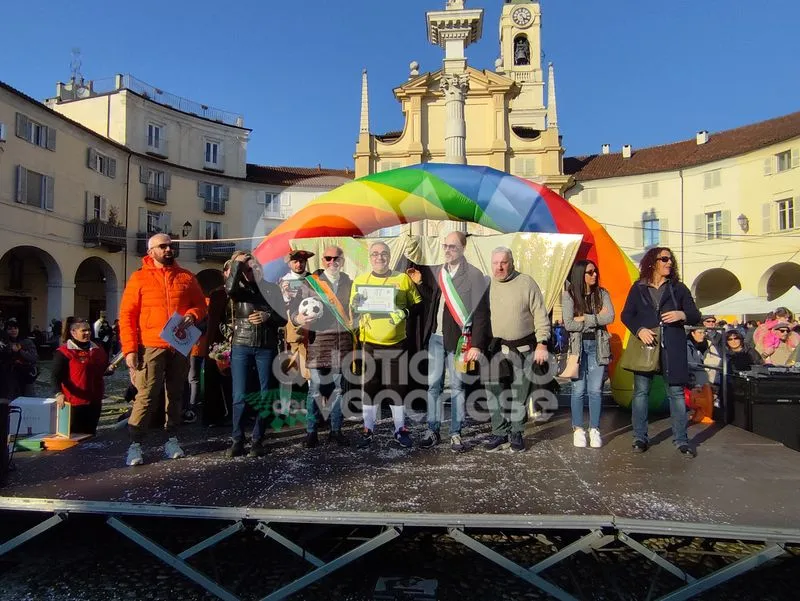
(592, 322)
(517, 309)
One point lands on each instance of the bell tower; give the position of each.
(521, 60)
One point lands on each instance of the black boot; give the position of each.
(236, 450)
(258, 448)
(312, 440)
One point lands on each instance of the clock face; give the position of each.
(521, 16)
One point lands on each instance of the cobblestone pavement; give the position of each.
(85, 560)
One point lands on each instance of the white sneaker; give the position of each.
(579, 438)
(173, 450)
(595, 440)
(134, 454)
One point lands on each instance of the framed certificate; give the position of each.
(376, 299)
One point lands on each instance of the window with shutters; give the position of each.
(214, 197)
(525, 167)
(34, 189)
(714, 225)
(35, 132)
(651, 232)
(783, 161)
(157, 222)
(96, 207)
(272, 204)
(156, 184)
(786, 214)
(650, 190)
(712, 179)
(101, 163)
(213, 230)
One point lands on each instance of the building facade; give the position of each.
(727, 203)
(89, 175)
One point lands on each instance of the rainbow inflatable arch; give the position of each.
(461, 193)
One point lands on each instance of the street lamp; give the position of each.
(744, 222)
(187, 229)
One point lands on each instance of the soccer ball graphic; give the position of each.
(311, 307)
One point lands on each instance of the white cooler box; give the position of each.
(38, 416)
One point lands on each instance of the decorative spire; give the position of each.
(552, 111)
(364, 128)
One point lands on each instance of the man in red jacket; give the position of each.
(152, 294)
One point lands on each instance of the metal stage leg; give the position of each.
(655, 558)
(172, 560)
(310, 578)
(212, 540)
(594, 540)
(509, 565)
(723, 575)
(294, 548)
(15, 542)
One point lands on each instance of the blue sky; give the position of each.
(641, 72)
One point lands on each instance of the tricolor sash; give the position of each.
(453, 301)
(460, 315)
(326, 294)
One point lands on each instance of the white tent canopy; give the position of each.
(741, 303)
(789, 299)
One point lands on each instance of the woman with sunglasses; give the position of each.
(587, 310)
(659, 301)
(741, 356)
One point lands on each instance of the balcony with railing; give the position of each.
(98, 233)
(143, 237)
(155, 193)
(214, 251)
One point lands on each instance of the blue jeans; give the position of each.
(241, 357)
(641, 403)
(327, 378)
(589, 383)
(437, 359)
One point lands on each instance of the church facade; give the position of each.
(508, 124)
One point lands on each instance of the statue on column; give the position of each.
(455, 4)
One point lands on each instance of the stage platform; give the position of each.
(739, 487)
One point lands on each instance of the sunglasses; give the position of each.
(709, 321)
(451, 247)
(784, 330)
(173, 246)
(385, 255)
(665, 259)
(333, 258)
(590, 271)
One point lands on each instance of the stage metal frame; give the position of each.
(600, 530)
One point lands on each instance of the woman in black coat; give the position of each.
(660, 299)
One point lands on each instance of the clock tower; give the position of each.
(521, 60)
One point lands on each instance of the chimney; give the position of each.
(626, 151)
(606, 148)
(702, 137)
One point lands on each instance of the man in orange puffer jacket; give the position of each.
(152, 294)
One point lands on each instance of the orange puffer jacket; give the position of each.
(151, 296)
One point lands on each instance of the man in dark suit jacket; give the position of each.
(456, 331)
